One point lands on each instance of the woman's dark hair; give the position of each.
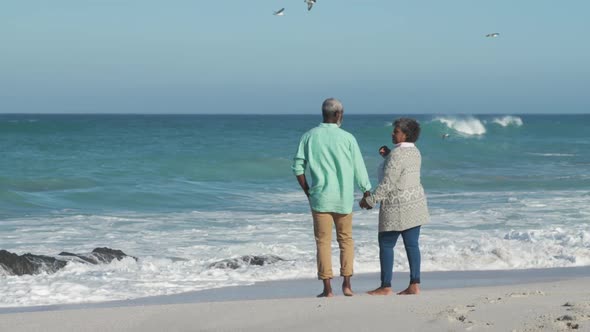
(410, 127)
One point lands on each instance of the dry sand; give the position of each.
(562, 305)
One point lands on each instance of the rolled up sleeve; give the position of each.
(300, 161)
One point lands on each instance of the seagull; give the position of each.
(280, 12)
(309, 3)
(493, 35)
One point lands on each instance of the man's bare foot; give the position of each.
(327, 289)
(413, 289)
(381, 291)
(346, 288)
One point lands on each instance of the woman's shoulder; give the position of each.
(406, 150)
(406, 153)
(410, 150)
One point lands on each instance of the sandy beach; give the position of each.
(526, 300)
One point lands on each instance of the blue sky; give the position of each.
(377, 56)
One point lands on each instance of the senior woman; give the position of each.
(403, 205)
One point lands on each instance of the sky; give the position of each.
(236, 57)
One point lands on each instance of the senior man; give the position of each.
(335, 164)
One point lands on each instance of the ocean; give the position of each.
(182, 192)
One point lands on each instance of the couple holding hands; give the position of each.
(335, 165)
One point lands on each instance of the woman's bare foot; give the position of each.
(381, 291)
(413, 289)
(326, 294)
(346, 288)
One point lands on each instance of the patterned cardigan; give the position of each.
(402, 198)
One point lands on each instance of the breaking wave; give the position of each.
(467, 126)
(508, 120)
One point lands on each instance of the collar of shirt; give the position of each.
(323, 124)
(405, 145)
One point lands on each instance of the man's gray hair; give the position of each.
(331, 106)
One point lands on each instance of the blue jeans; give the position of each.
(387, 242)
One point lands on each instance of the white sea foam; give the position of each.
(464, 125)
(508, 120)
(551, 154)
(468, 231)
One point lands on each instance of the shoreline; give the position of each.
(559, 301)
(309, 288)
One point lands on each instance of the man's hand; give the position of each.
(303, 184)
(364, 205)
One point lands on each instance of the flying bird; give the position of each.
(493, 35)
(309, 3)
(280, 12)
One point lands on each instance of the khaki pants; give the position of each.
(322, 228)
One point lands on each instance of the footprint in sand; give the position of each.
(492, 300)
(458, 314)
(527, 294)
(568, 321)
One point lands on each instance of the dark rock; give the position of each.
(99, 255)
(246, 260)
(14, 264)
(28, 263)
(107, 255)
(83, 258)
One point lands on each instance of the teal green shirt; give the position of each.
(335, 164)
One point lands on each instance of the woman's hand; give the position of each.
(364, 205)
